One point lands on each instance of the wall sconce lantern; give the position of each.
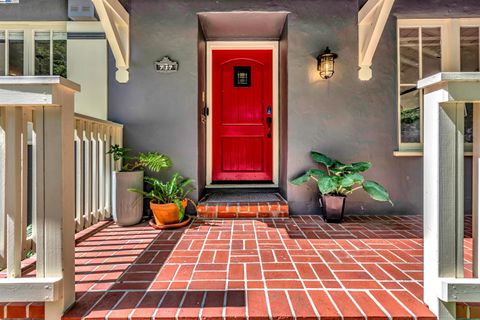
(326, 63)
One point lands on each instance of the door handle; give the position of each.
(269, 123)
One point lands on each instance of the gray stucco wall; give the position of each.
(344, 117)
(33, 10)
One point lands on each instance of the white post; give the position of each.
(444, 98)
(53, 101)
(60, 234)
(13, 200)
(38, 183)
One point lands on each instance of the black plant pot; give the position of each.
(332, 208)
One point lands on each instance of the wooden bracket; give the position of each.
(115, 21)
(371, 21)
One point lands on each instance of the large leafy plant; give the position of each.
(152, 161)
(340, 179)
(173, 191)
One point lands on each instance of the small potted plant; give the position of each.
(168, 200)
(127, 207)
(337, 181)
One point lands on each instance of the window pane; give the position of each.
(42, 53)
(431, 51)
(2, 53)
(60, 54)
(410, 114)
(469, 49)
(468, 137)
(15, 53)
(409, 72)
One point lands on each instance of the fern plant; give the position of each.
(174, 191)
(152, 161)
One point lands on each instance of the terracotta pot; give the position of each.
(166, 213)
(333, 208)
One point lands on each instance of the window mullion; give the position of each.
(7, 52)
(51, 52)
(28, 52)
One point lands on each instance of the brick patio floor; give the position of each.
(369, 267)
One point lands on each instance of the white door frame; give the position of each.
(244, 45)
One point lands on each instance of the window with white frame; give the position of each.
(426, 47)
(33, 50)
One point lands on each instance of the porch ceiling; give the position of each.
(242, 25)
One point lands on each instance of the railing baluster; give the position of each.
(101, 171)
(79, 175)
(88, 181)
(108, 173)
(13, 200)
(38, 209)
(24, 184)
(94, 137)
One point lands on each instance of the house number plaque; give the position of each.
(166, 65)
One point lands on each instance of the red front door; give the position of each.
(242, 115)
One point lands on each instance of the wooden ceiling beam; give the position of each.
(372, 18)
(115, 21)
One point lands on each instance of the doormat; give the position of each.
(243, 197)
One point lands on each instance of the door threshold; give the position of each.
(241, 185)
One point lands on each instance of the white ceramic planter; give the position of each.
(127, 206)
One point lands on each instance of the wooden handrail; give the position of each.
(80, 116)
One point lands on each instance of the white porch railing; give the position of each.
(445, 95)
(93, 169)
(53, 172)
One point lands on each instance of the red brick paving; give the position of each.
(364, 268)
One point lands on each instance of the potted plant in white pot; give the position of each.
(127, 207)
(337, 181)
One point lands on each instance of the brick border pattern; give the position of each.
(222, 210)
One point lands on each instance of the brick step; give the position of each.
(213, 207)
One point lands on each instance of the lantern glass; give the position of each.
(326, 64)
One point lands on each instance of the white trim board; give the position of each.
(244, 45)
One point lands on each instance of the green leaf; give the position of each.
(181, 209)
(317, 173)
(321, 158)
(347, 181)
(358, 178)
(301, 179)
(361, 166)
(376, 191)
(326, 185)
(154, 161)
(340, 165)
(172, 191)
